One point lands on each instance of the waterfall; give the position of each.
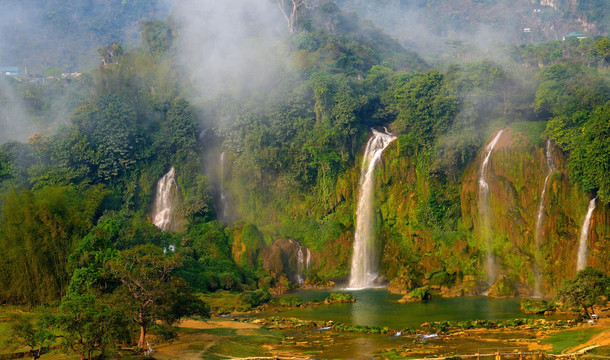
(539, 219)
(364, 259)
(303, 261)
(584, 237)
(167, 191)
(223, 193)
(484, 207)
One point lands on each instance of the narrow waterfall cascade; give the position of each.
(223, 193)
(485, 208)
(540, 218)
(584, 237)
(163, 207)
(364, 259)
(303, 261)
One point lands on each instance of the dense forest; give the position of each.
(260, 168)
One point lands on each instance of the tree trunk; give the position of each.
(142, 341)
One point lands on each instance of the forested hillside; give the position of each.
(265, 173)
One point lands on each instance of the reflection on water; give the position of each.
(377, 307)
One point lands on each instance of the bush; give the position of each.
(339, 298)
(292, 301)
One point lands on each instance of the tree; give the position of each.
(107, 130)
(156, 37)
(590, 287)
(88, 326)
(290, 10)
(38, 231)
(111, 54)
(150, 291)
(35, 337)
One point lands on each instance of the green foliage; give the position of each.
(590, 287)
(426, 107)
(535, 306)
(89, 327)
(156, 37)
(36, 337)
(339, 298)
(108, 128)
(149, 290)
(256, 297)
(291, 301)
(39, 229)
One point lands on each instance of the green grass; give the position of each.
(233, 345)
(569, 338)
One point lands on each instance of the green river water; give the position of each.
(377, 307)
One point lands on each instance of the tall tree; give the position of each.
(87, 326)
(590, 287)
(150, 291)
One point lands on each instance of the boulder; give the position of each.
(401, 285)
(502, 287)
(420, 294)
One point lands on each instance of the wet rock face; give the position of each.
(468, 286)
(401, 285)
(420, 294)
(502, 288)
(517, 172)
(281, 258)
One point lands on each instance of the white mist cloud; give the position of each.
(229, 46)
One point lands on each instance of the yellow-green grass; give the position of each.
(568, 338)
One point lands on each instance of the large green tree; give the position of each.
(590, 287)
(88, 327)
(150, 291)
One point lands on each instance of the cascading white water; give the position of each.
(364, 259)
(301, 264)
(584, 237)
(167, 191)
(484, 207)
(303, 261)
(223, 194)
(539, 219)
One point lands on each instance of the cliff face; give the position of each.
(431, 229)
(516, 178)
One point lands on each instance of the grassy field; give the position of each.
(569, 338)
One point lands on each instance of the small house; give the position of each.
(8, 71)
(576, 35)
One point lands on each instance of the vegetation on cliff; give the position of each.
(75, 210)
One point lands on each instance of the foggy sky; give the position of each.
(229, 46)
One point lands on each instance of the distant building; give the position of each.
(576, 35)
(9, 71)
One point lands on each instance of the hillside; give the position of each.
(226, 152)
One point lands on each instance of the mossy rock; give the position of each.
(339, 298)
(502, 287)
(468, 286)
(282, 286)
(536, 306)
(419, 294)
(315, 282)
(401, 285)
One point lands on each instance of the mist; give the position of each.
(441, 32)
(229, 47)
(15, 123)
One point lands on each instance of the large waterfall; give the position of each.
(364, 259)
(584, 237)
(484, 208)
(224, 203)
(163, 208)
(539, 219)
